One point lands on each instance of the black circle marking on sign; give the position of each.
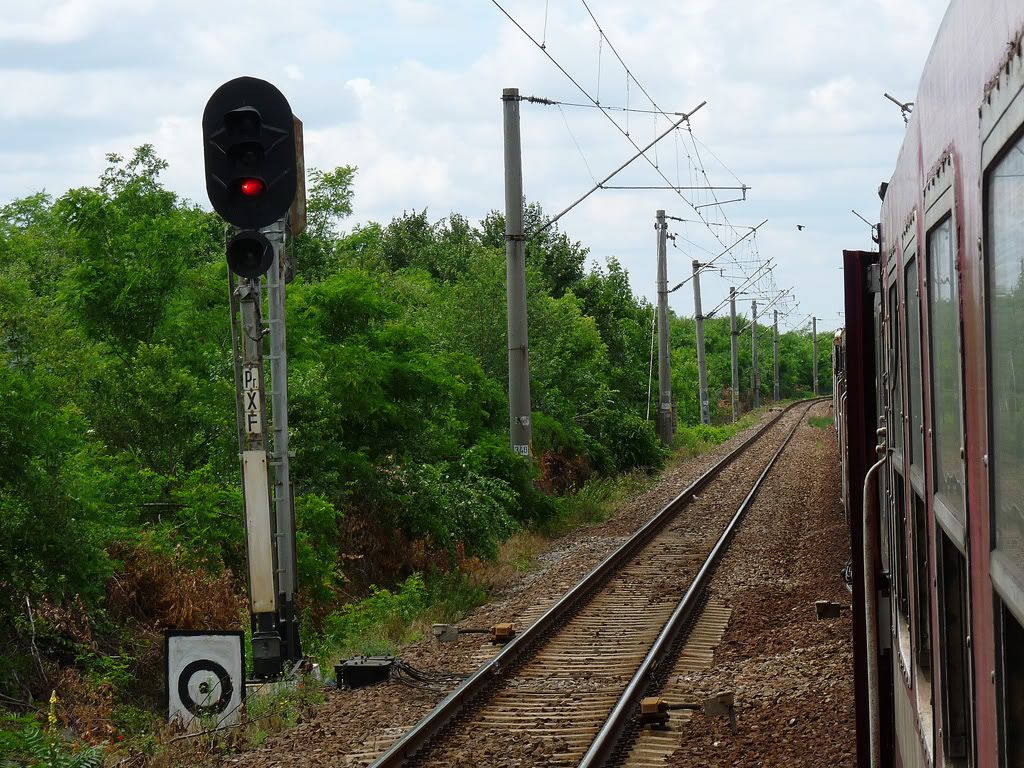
(226, 688)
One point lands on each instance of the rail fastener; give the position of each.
(654, 710)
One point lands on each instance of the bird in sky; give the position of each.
(800, 227)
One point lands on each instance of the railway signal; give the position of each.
(252, 176)
(249, 149)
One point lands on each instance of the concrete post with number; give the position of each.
(702, 371)
(775, 355)
(520, 429)
(814, 352)
(755, 376)
(665, 416)
(735, 356)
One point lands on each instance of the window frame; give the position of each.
(916, 469)
(898, 482)
(1001, 118)
(1002, 614)
(954, 653)
(895, 362)
(940, 204)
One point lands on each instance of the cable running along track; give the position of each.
(565, 689)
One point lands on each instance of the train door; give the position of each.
(883, 400)
(910, 558)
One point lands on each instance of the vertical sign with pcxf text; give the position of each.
(251, 399)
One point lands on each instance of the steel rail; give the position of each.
(466, 694)
(608, 742)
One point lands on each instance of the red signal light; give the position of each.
(252, 187)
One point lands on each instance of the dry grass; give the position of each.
(515, 556)
(166, 591)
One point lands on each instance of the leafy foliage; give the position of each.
(23, 743)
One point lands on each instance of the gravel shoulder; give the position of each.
(352, 727)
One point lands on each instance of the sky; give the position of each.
(410, 92)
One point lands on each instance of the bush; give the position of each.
(491, 456)
(630, 441)
(454, 506)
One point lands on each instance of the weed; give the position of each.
(595, 501)
(23, 742)
(386, 619)
(698, 438)
(821, 422)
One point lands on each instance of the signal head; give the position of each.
(249, 149)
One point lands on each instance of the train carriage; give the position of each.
(934, 370)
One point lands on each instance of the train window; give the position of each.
(922, 581)
(944, 338)
(954, 655)
(1011, 688)
(1004, 209)
(900, 535)
(896, 379)
(881, 397)
(916, 426)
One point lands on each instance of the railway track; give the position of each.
(565, 689)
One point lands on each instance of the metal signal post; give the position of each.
(284, 506)
(247, 345)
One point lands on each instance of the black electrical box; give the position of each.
(363, 670)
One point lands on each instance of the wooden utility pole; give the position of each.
(666, 415)
(702, 371)
(520, 429)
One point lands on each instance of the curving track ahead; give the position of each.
(575, 674)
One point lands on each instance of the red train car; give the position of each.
(933, 371)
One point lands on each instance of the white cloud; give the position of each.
(411, 95)
(49, 23)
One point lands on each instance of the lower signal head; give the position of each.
(250, 254)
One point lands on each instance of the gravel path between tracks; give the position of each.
(352, 727)
(792, 674)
